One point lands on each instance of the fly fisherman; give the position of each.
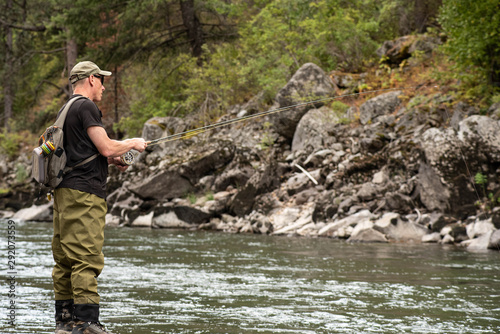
(80, 205)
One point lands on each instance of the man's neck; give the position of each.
(83, 92)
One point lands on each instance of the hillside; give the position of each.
(393, 155)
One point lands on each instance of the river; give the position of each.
(173, 281)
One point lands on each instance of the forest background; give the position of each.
(200, 57)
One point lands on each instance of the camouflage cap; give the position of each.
(84, 70)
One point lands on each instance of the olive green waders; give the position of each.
(79, 220)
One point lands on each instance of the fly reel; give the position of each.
(128, 158)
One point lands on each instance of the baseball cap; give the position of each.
(84, 70)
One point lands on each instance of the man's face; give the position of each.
(98, 87)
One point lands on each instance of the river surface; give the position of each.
(171, 281)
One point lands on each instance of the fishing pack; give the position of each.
(49, 158)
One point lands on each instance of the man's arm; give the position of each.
(113, 148)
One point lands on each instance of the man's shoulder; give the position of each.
(83, 102)
(85, 108)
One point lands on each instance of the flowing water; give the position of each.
(171, 281)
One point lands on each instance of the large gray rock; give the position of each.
(392, 226)
(158, 127)
(454, 154)
(309, 83)
(477, 141)
(236, 176)
(494, 242)
(479, 228)
(207, 161)
(433, 194)
(383, 104)
(330, 229)
(179, 216)
(292, 226)
(259, 183)
(163, 185)
(35, 213)
(312, 130)
(480, 243)
(368, 236)
(482, 136)
(397, 50)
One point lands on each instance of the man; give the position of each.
(80, 205)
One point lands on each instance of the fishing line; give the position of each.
(129, 157)
(190, 133)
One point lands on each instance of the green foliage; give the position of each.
(473, 31)
(339, 110)
(153, 89)
(192, 198)
(267, 140)
(490, 200)
(404, 17)
(21, 173)
(9, 143)
(249, 47)
(273, 44)
(209, 196)
(495, 98)
(480, 179)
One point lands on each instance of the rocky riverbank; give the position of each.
(404, 166)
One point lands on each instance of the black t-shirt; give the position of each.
(90, 177)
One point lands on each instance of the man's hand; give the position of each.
(118, 163)
(139, 144)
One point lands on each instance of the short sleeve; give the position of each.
(92, 115)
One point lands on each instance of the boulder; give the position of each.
(292, 226)
(494, 242)
(285, 217)
(480, 243)
(207, 161)
(159, 127)
(368, 236)
(482, 136)
(494, 111)
(367, 192)
(309, 83)
(300, 182)
(312, 129)
(431, 238)
(112, 220)
(433, 194)
(330, 229)
(259, 183)
(40, 213)
(143, 220)
(398, 229)
(179, 216)
(452, 154)
(479, 227)
(162, 185)
(236, 176)
(169, 219)
(383, 104)
(395, 51)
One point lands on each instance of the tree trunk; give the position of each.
(71, 55)
(7, 79)
(116, 93)
(193, 26)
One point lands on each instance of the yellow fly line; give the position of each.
(194, 132)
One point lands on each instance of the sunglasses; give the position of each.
(101, 77)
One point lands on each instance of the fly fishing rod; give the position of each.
(129, 157)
